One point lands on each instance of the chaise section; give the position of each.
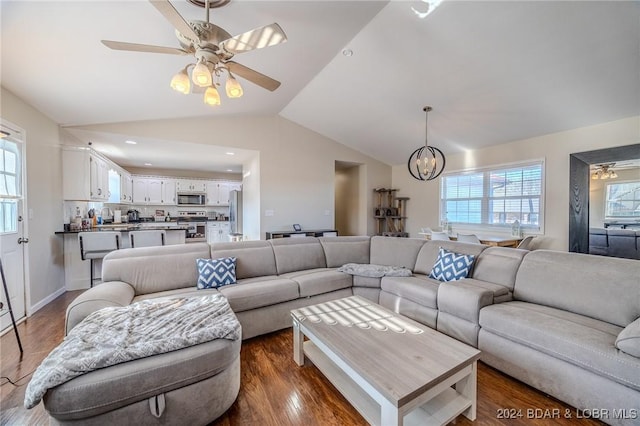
(197, 384)
(116, 293)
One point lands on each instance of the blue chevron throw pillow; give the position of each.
(214, 273)
(451, 266)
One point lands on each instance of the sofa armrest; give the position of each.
(112, 293)
(463, 300)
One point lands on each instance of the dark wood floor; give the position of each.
(274, 390)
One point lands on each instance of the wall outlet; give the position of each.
(268, 212)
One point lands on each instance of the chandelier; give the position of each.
(603, 171)
(426, 162)
(202, 76)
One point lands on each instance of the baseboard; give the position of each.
(41, 304)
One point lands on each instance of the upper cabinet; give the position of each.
(126, 188)
(218, 193)
(191, 185)
(154, 190)
(85, 175)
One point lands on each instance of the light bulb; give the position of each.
(613, 174)
(180, 82)
(594, 175)
(211, 96)
(233, 88)
(201, 75)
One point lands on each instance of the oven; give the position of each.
(196, 223)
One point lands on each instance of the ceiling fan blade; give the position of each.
(135, 47)
(172, 15)
(253, 76)
(258, 38)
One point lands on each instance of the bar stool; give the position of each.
(96, 245)
(147, 238)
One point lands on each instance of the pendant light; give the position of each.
(233, 88)
(201, 74)
(180, 82)
(427, 162)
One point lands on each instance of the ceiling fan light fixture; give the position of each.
(181, 83)
(211, 96)
(201, 74)
(233, 88)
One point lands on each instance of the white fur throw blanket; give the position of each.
(114, 335)
(374, 271)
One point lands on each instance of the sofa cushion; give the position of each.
(579, 340)
(629, 339)
(499, 292)
(214, 273)
(451, 266)
(153, 269)
(418, 289)
(341, 250)
(320, 281)
(430, 250)
(246, 296)
(297, 254)
(498, 265)
(395, 251)
(253, 258)
(604, 288)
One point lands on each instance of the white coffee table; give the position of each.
(393, 370)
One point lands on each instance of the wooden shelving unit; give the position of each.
(390, 213)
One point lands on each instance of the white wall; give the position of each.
(251, 198)
(44, 198)
(555, 148)
(296, 164)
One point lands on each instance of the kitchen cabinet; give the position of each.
(191, 185)
(218, 193)
(115, 186)
(126, 188)
(217, 232)
(85, 175)
(169, 192)
(154, 190)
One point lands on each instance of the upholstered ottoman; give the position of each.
(186, 373)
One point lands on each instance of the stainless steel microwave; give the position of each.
(191, 199)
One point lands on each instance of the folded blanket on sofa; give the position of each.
(118, 334)
(374, 271)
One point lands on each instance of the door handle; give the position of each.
(23, 240)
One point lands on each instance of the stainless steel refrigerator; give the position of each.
(235, 212)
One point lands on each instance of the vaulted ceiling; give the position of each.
(494, 72)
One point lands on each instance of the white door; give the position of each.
(12, 230)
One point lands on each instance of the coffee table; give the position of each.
(393, 370)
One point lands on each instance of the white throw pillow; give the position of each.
(628, 340)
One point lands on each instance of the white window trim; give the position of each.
(499, 229)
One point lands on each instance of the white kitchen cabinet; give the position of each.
(126, 188)
(217, 232)
(217, 193)
(85, 175)
(191, 185)
(154, 190)
(169, 192)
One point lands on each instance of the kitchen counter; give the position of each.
(126, 227)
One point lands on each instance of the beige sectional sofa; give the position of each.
(550, 319)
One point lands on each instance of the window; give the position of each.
(494, 197)
(9, 169)
(623, 199)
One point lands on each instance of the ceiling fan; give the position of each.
(213, 49)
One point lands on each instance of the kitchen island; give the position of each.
(77, 272)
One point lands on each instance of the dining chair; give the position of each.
(147, 238)
(526, 242)
(469, 238)
(96, 245)
(439, 236)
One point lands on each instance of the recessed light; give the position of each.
(231, 153)
(131, 142)
(347, 52)
(148, 164)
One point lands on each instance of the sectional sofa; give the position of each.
(565, 323)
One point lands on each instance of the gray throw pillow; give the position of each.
(628, 340)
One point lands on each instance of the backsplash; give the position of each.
(106, 210)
